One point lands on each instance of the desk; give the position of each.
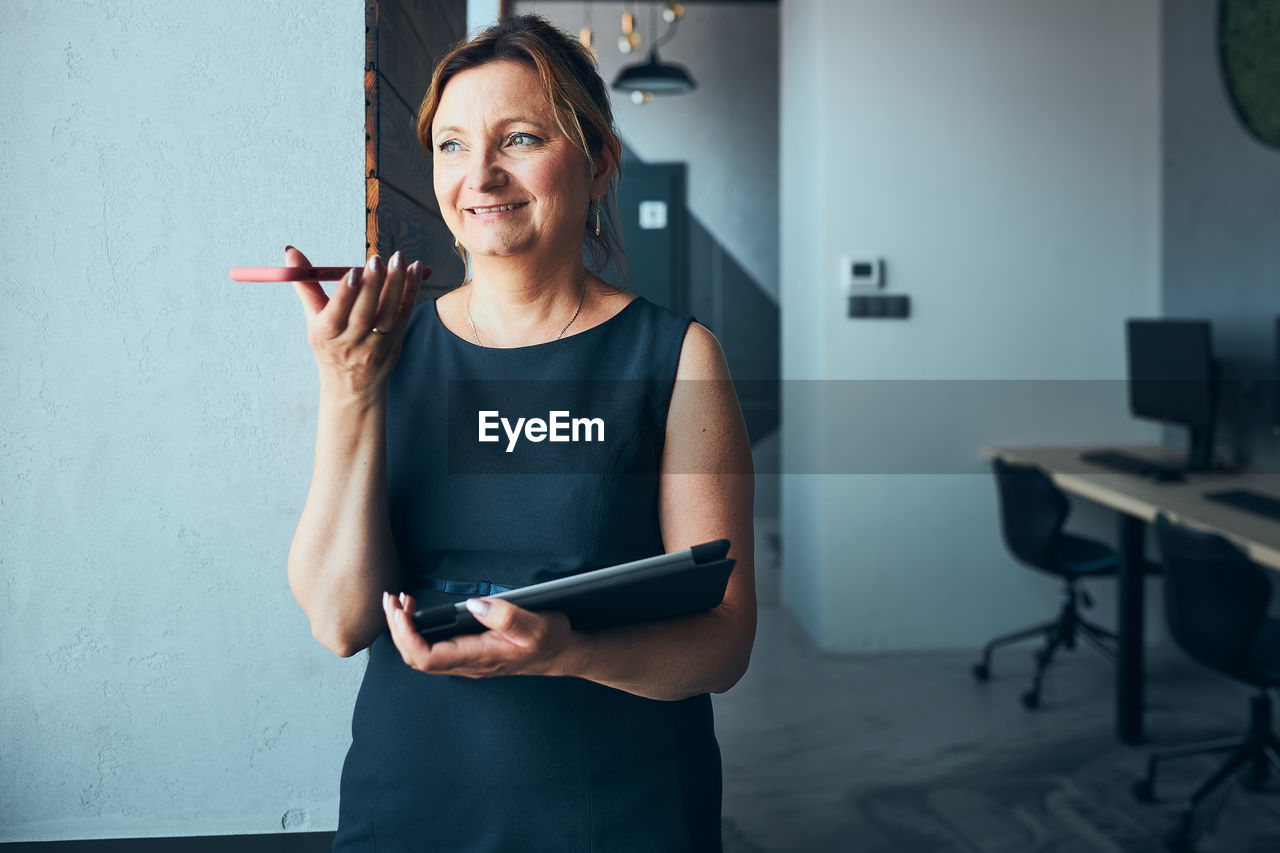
(1138, 500)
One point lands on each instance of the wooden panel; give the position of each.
(404, 38)
(370, 123)
(412, 35)
(405, 225)
(370, 158)
(370, 34)
(403, 162)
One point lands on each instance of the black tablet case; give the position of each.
(676, 584)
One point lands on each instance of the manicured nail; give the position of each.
(287, 248)
(375, 264)
(478, 606)
(397, 261)
(353, 278)
(403, 600)
(386, 600)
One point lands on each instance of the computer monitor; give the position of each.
(1171, 380)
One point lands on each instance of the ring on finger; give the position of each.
(378, 331)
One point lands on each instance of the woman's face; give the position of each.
(509, 183)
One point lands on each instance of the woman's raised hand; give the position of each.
(356, 332)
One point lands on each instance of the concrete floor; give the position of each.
(898, 753)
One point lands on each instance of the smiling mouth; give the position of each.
(497, 208)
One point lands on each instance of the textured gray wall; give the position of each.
(156, 676)
(1221, 227)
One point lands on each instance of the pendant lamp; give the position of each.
(653, 75)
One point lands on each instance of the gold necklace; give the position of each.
(581, 296)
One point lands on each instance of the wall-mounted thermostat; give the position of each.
(861, 272)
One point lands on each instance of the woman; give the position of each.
(611, 745)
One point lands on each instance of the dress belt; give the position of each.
(463, 587)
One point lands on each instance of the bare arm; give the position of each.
(342, 557)
(706, 492)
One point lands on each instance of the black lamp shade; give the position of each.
(655, 76)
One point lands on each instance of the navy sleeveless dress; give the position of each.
(526, 763)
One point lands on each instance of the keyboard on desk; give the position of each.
(1249, 502)
(1128, 463)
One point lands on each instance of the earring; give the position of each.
(456, 244)
(597, 206)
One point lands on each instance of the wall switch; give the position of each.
(861, 273)
(653, 215)
(896, 307)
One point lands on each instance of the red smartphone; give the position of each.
(289, 273)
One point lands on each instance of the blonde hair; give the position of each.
(576, 93)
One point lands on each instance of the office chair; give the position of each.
(1215, 604)
(1032, 513)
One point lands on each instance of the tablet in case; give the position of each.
(662, 587)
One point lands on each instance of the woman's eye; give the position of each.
(523, 140)
(449, 145)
